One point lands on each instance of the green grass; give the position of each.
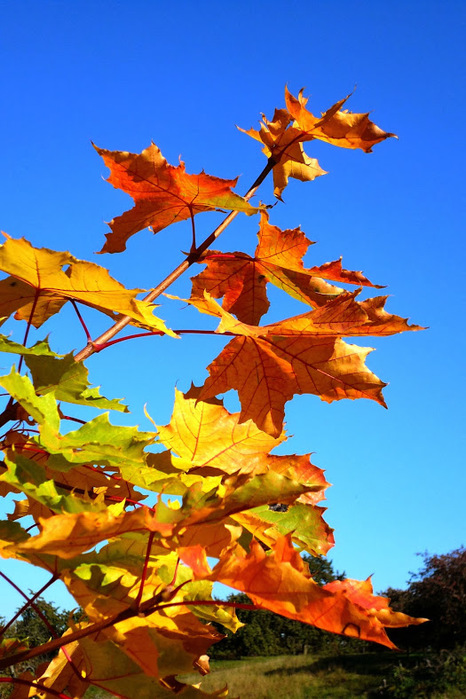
(306, 677)
(296, 677)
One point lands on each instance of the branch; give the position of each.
(193, 256)
(160, 601)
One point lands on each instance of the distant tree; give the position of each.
(438, 592)
(32, 629)
(321, 569)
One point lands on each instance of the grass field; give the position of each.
(302, 677)
(308, 676)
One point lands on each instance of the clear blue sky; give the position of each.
(124, 73)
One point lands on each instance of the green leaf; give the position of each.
(303, 522)
(98, 442)
(30, 478)
(43, 409)
(41, 348)
(69, 380)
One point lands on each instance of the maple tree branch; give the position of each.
(191, 258)
(151, 605)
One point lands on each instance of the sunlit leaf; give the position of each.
(163, 193)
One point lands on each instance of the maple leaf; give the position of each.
(40, 348)
(84, 480)
(207, 438)
(106, 666)
(68, 380)
(41, 281)
(305, 354)
(242, 279)
(68, 535)
(283, 137)
(163, 193)
(303, 522)
(360, 592)
(278, 581)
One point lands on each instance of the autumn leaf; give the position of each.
(30, 478)
(68, 535)
(83, 480)
(242, 279)
(360, 592)
(305, 354)
(268, 370)
(69, 382)
(43, 409)
(208, 439)
(282, 138)
(278, 581)
(303, 522)
(163, 194)
(41, 281)
(39, 349)
(105, 665)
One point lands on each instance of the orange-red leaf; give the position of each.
(163, 194)
(278, 581)
(340, 128)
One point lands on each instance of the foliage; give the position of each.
(131, 521)
(440, 673)
(439, 589)
(267, 634)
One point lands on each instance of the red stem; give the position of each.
(26, 334)
(29, 602)
(81, 320)
(208, 603)
(99, 347)
(144, 570)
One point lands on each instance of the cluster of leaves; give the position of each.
(140, 525)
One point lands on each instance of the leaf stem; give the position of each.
(183, 331)
(29, 602)
(144, 571)
(81, 320)
(177, 272)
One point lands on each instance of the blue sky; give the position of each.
(121, 74)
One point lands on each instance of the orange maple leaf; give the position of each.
(242, 279)
(279, 581)
(305, 354)
(163, 194)
(284, 135)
